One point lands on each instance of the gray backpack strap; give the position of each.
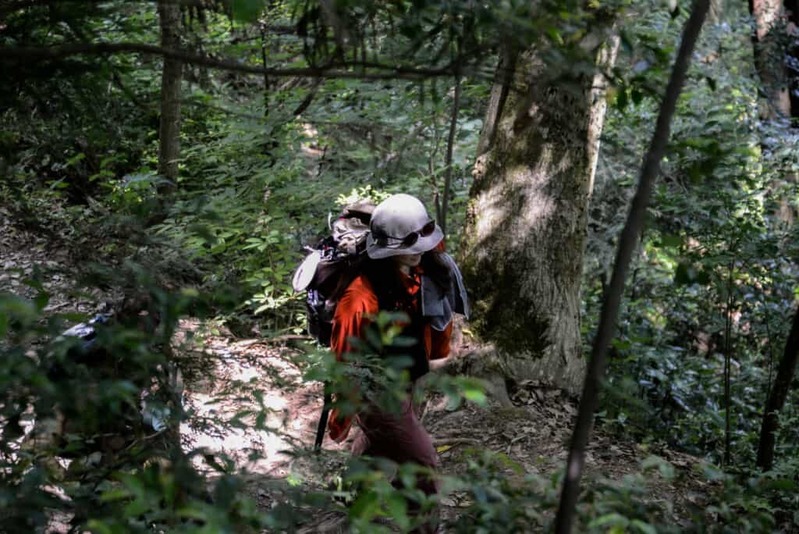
(438, 304)
(457, 296)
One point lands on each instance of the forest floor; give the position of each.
(230, 376)
(534, 435)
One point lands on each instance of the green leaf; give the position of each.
(398, 510)
(366, 506)
(475, 395)
(780, 484)
(41, 299)
(610, 521)
(20, 309)
(670, 241)
(95, 525)
(621, 344)
(402, 341)
(246, 10)
(76, 159)
(643, 527)
(663, 467)
(115, 494)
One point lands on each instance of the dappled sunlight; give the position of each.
(310, 147)
(531, 434)
(251, 406)
(497, 214)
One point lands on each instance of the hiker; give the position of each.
(406, 271)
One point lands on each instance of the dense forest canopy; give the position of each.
(165, 166)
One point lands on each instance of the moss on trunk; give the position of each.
(525, 234)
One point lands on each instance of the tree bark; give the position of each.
(376, 71)
(776, 399)
(499, 94)
(769, 50)
(792, 15)
(453, 126)
(606, 329)
(716, 11)
(522, 249)
(171, 78)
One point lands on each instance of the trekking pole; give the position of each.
(322, 426)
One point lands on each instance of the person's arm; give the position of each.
(438, 346)
(349, 319)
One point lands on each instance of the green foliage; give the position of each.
(494, 489)
(246, 10)
(157, 496)
(73, 125)
(264, 161)
(100, 430)
(712, 290)
(751, 502)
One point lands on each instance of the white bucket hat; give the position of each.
(400, 225)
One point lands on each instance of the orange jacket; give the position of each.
(353, 310)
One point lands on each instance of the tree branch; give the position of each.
(381, 71)
(306, 102)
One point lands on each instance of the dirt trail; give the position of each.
(534, 434)
(25, 257)
(260, 380)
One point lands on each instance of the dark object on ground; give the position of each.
(108, 390)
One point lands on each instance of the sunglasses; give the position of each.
(404, 242)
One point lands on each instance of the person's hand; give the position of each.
(440, 363)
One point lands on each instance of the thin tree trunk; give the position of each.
(499, 94)
(453, 127)
(769, 51)
(716, 11)
(266, 74)
(792, 11)
(599, 104)
(728, 366)
(171, 78)
(627, 243)
(776, 399)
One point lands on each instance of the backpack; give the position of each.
(325, 273)
(330, 267)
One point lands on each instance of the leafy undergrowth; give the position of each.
(251, 414)
(527, 443)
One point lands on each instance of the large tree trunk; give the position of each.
(171, 78)
(522, 251)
